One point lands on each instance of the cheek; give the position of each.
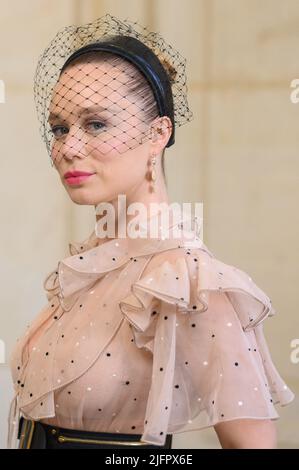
(54, 152)
(113, 148)
(123, 170)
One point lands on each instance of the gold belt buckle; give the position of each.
(62, 439)
(28, 427)
(26, 434)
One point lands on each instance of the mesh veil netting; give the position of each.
(100, 101)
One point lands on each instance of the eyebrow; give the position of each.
(88, 110)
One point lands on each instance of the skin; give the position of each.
(117, 171)
(123, 170)
(247, 434)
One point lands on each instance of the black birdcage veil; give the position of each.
(99, 86)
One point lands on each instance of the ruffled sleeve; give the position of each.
(202, 320)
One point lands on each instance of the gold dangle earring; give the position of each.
(153, 172)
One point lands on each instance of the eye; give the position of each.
(56, 129)
(95, 125)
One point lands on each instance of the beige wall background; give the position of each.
(239, 156)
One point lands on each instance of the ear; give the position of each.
(160, 132)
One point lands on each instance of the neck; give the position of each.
(140, 195)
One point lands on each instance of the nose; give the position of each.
(73, 145)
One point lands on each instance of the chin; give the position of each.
(80, 197)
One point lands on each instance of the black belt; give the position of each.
(37, 435)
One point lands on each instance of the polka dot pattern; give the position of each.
(147, 343)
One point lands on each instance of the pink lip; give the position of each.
(73, 180)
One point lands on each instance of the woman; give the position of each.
(143, 336)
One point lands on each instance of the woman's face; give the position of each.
(97, 128)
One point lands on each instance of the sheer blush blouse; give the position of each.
(147, 336)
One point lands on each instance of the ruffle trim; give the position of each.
(174, 284)
(185, 284)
